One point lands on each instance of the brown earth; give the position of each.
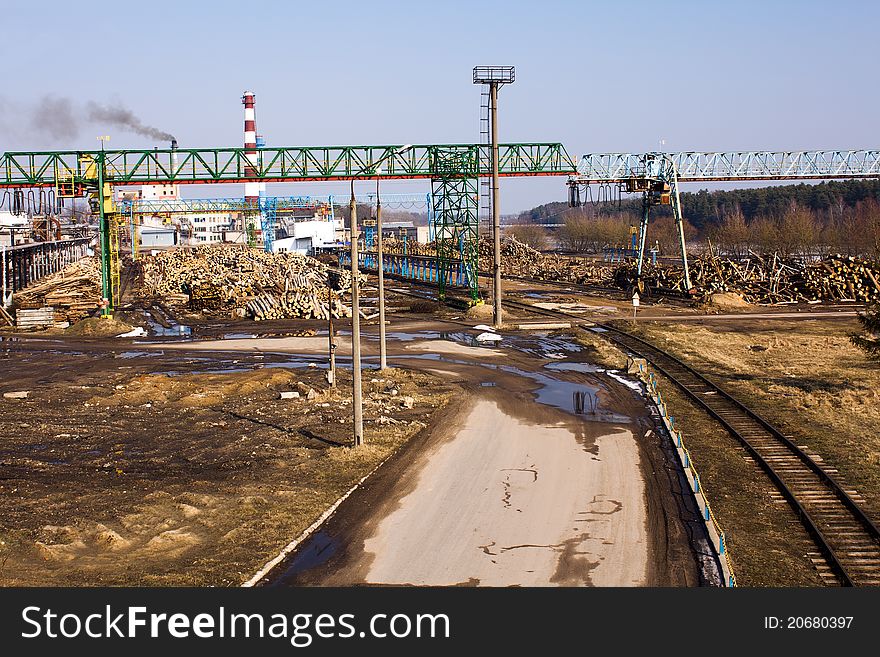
(114, 474)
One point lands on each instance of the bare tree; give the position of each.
(732, 235)
(532, 235)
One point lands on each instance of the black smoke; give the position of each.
(60, 118)
(121, 117)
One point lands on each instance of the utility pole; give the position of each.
(496, 211)
(383, 358)
(333, 284)
(495, 77)
(357, 400)
(357, 393)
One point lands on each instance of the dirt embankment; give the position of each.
(115, 477)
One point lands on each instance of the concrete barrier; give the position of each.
(639, 367)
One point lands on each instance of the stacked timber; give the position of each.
(221, 278)
(768, 279)
(411, 247)
(72, 293)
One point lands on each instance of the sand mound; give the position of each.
(480, 311)
(98, 327)
(728, 300)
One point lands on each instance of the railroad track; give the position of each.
(847, 540)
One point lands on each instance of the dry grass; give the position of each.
(766, 540)
(803, 376)
(600, 350)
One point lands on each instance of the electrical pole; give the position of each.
(496, 211)
(357, 394)
(494, 77)
(383, 358)
(357, 401)
(333, 284)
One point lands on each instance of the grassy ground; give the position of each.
(190, 479)
(806, 378)
(600, 350)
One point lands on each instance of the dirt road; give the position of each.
(508, 503)
(516, 488)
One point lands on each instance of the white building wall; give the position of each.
(304, 236)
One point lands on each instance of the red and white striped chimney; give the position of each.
(251, 189)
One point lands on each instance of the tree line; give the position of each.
(797, 220)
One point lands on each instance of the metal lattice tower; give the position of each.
(455, 205)
(268, 205)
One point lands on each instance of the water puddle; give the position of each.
(584, 368)
(140, 354)
(317, 550)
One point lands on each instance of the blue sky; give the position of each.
(609, 76)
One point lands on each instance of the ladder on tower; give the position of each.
(485, 207)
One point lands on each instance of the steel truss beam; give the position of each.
(233, 165)
(734, 165)
(208, 205)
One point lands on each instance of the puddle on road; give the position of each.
(584, 368)
(409, 337)
(140, 354)
(315, 551)
(459, 337)
(570, 396)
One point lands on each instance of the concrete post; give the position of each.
(496, 210)
(383, 359)
(357, 394)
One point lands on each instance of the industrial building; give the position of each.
(158, 236)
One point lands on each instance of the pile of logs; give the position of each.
(74, 292)
(843, 277)
(769, 279)
(758, 279)
(229, 277)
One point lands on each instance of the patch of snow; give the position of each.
(136, 332)
(633, 385)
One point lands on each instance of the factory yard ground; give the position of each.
(174, 462)
(149, 468)
(170, 459)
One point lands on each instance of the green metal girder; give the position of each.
(217, 165)
(456, 226)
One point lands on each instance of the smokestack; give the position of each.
(173, 144)
(174, 153)
(251, 189)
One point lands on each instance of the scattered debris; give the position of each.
(22, 394)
